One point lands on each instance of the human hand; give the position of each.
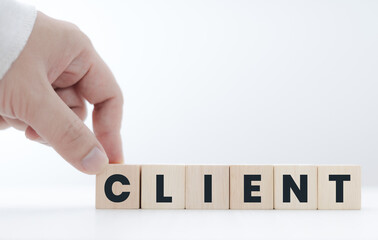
(44, 94)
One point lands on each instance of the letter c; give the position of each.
(109, 184)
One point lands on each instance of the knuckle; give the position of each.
(70, 28)
(72, 133)
(75, 36)
(120, 98)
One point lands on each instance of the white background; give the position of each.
(50, 214)
(226, 82)
(220, 82)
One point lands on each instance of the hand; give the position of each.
(44, 94)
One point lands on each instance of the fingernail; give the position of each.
(95, 161)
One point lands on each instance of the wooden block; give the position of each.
(118, 187)
(207, 187)
(339, 187)
(163, 186)
(295, 187)
(251, 187)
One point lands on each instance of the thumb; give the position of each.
(61, 128)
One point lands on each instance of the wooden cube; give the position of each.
(118, 187)
(163, 187)
(295, 187)
(251, 187)
(339, 187)
(207, 187)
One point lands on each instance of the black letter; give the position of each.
(249, 188)
(208, 188)
(109, 184)
(160, 190)
(339, 185)
(288, 183)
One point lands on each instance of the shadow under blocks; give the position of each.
(303, 187)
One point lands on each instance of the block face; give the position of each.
(118, 186)
(212, 179)
(339, 187)
(163, 187)
(287, 178)
(244, 180)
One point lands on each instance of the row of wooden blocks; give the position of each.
(229, 187)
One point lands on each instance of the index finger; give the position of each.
(99, 87)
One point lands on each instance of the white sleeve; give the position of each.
(16, 23)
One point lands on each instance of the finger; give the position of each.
(3, 123)
(102, 91)
(76, 69)
(31, 134)
(22, 126)
(15, 123)
(54, 121)
(73, 100)
(99, 87)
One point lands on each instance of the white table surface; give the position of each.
(69, 213)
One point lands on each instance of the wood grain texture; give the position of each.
(174, 186)
(295, 172)
(237, 173)
(132, 172)
(195, 187)
(351, 188)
